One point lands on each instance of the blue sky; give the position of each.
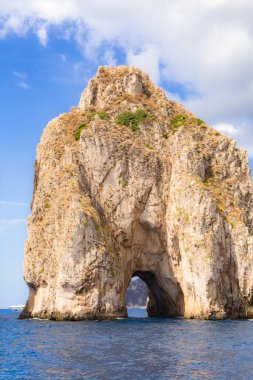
(36, 85)
(49, 50)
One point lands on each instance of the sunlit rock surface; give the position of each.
(169, 201)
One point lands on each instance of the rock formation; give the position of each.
(130, 184)
(136, 295)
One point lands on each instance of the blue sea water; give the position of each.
(134, 348)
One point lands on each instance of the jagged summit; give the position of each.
(121, 88)
(130, 184)
(115, 82)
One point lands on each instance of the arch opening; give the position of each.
(159, 302)
(136, 298)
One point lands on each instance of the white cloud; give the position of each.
(148, 60)
(23, 85)
(20, 75)
(173, 96)
(42, 36)
(227, 128)
(22, 80)
(110, 58)
(206, 46)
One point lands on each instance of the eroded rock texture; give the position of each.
(170, 202)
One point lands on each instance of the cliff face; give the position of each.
(154, 192)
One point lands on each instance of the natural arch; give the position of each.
(112, 201)
(159, 303)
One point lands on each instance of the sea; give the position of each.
(134, 348)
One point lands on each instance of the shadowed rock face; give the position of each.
(170, 202)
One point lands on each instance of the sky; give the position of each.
(199, 51)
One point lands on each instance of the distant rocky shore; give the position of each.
(14, 307)
(136, 295)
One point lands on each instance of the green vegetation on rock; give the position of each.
(198, 121)
(180, 120)
(87, 119)
(113, 272)
(209, 175)
(102, 115)
(122, 182)
(177, 122)
(132, 119)
(79, 130)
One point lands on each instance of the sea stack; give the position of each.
(130, 183)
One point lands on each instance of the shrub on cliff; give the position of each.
(180, 120)
(132, 119)
(102, 115)
(79, 130)
(177, 122)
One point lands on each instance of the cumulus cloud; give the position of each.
(227, 128)
(148, 60)
(42, 36)
(204, 46)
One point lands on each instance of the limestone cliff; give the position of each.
(129, 183)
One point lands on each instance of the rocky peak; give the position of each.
(131, 184)
(117, 83)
